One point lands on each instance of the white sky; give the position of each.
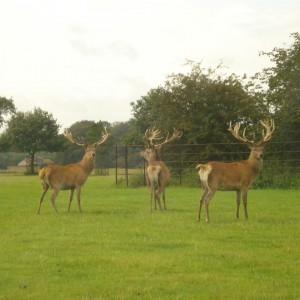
(88, 59)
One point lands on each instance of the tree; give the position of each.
(6, 107)
(200, 103)
(34, 131)
(283, 93)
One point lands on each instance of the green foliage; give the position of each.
(31, 132)
(116, 249)
(283, 94)
(6, 107)
(201, 103)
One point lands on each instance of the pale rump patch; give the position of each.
(203, 173)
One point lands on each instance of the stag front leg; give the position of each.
(238, 201)
(70, 199)
(244, 194)
(78, 191)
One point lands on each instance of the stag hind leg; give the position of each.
(53, 197)
(45, 189)
(206, 197)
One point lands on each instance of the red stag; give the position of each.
(235, 176)
(157, 173)
(70, 177)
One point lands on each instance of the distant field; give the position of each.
(116, 249)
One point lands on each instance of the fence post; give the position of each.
(180, 168)
(126, 164)
(116, 164)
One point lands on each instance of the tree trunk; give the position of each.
(32, 163)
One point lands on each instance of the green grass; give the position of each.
(116, 249)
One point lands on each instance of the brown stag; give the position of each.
(157, 173)
(70, 177)
(235, 176)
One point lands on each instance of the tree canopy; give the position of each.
(6, 107)
(201, 103)
(33, 131)
(283, 92)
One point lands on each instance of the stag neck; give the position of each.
(87, 163)
(255, 159)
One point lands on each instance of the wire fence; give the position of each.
(281, 162)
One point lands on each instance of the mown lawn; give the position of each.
(116, 249)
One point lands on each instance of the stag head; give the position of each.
(151, 149)
(89, 149)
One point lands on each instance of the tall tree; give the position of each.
(33, 131)
(201, 103)
(6, 107)
(283, 93)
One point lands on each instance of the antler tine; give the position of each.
(151, 135)
(70, 138)
(269, 125)
(176, 135)
(103, 138)
(235, 132)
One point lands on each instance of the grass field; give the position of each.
(116, 249)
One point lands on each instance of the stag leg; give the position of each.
(157, 197)
(70, 199)
(238, 201)
(201, 202)
(45, 187)
(164, 199)
(78, 190)
(151, 200)
(53, 196)
(210, 194)
(244, 194)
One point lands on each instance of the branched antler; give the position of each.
(153, 134)
(268, 124)
(70, 138)
(103, 138)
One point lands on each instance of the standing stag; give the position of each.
(235, 176)
(70, 177)
(157, 173)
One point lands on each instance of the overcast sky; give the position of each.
(88, 59)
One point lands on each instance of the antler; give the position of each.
(270, 127)
(104, 137)
(268, 124)
(235, 132)
(151, 135)
(176, 135)
(70, 138)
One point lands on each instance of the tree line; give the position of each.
(200, 103)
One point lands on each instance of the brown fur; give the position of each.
(235, 176)
(70, 177)
(157, 176)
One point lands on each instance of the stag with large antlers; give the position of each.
(235, 176)
(157, 173)
(70, 177)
